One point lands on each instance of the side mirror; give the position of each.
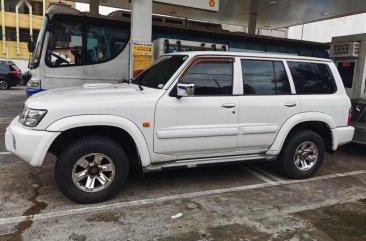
(31, 45)
(51, 42)
(184, 90)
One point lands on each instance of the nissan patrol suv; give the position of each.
(187, 110)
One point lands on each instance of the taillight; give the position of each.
(16, 72)
(349, 117)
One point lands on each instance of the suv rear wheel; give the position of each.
(302, 154)
(92, 169)
(4, 85)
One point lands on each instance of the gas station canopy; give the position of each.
(266, 14)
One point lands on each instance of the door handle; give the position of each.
(290, 104)
(228, 106)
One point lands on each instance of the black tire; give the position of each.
(68, 158)
(286, 159)
(4, 84)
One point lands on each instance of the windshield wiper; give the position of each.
(138, 82)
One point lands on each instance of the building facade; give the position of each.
(19, 20)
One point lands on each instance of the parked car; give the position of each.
(187, 110)
(10, 75)
(25, 78)
(359, 120)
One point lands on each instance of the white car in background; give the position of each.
(187, 110)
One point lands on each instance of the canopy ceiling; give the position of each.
(270, 14)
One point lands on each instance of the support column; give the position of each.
(94, 6)
(253, 14)
(44, 7)
(3, 25)
(141, 20)
(252, 25)
(30, 18)
(17, 23)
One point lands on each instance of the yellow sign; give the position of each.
(142, 54)
(211, 5)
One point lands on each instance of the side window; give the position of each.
(104, 43)
(79, 43)
(211, 77)
(4, 69)
(66, 44)
(264, 77)
(312, 78)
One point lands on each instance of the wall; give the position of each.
(323, 31)
(22, 64)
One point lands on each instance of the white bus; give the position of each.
(74, 48)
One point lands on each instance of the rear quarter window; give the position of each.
(312, 78)
(14, 67)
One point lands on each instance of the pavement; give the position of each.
(234, 202)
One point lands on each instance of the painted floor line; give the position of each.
(5, 153)
(5, 120)
(262, 171)
(258, 175)
(95, 208)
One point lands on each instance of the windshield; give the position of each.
(160, 73)
(36, 56)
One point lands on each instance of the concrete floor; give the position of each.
(237, 202)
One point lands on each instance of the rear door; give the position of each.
(317, 89)
(268, 101)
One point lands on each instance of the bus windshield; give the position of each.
(160, 73)
(36, 56)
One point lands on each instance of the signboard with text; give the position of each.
(142, 57)
(211, 5)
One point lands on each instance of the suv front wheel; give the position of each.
(302, 154)
(92, 169)
(4, 85)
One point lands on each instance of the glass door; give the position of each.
(347, 70)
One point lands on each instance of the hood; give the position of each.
(87, 95)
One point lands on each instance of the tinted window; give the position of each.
(262, 77)
(14, 67)
(160, 73)
(312, 78)
(210, 77)
(4, 69)
(78, 43)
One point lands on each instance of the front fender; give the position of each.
(106, 120)
(276, 147)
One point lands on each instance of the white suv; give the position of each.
(187, 110)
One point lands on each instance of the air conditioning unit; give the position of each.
(351, 49)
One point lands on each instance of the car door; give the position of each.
(268, 100)
(205, 123)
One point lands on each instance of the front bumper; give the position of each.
(29, 145)
(30, 91)
(342, 135)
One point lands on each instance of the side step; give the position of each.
(192, 163)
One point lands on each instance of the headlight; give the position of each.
(31, 117)
(32, 84)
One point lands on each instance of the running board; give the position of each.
(192, 163)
